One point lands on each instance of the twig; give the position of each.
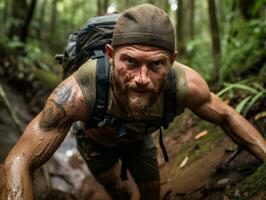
(47, 177)
(10, 110)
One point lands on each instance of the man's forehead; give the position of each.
(142, 48)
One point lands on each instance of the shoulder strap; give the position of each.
(182, 89)
(175, 94)
(102, 91)
(169, 99)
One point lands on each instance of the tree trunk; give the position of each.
(54, 17)
(216, 49)
(179, 28)
(166, 6)
(99, 7)
(247, 7)
(189, 29)
(128, 3)
(25, 27)
(105, 5)
(191, 19)
(18, 14)
(5, 12)
(41, 19)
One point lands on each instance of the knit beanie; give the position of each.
(144, 24)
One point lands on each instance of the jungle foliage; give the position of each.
(223, 40)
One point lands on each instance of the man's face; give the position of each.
(139, 74)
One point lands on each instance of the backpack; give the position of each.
(89, 43)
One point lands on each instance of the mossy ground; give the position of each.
(198, 148)
(251, 186)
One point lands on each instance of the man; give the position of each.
(141, 55)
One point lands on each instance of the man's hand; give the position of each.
(41, 138)
(211, 108)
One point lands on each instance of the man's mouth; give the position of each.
(140, 91)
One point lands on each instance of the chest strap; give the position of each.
(103, 81)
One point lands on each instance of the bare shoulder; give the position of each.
(66, 101)
(198, 89)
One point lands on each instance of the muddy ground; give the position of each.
(209, 167)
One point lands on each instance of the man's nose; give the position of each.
(142, 78)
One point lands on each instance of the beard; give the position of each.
(137, 105)
(135, 101)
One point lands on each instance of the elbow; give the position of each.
(227, 116)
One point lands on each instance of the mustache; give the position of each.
(142, 88)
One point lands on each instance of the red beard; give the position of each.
(133, 99)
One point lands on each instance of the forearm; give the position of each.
(31, 151)
(244, 134)
(236, 126)
(16, 180)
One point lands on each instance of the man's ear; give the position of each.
(109, 52)
(173, 57)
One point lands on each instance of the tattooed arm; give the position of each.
(41, 138)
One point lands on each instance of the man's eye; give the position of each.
(131, 62)
(156, 64)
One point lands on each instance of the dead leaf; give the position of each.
(201, 134)
(260, 115)
(225, 197)
(184, 162)
(226, 101)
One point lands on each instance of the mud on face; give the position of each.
(139, 74)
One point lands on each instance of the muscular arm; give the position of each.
(41, 138)
(211, 108)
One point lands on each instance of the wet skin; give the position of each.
(139, 75)
(40, 139)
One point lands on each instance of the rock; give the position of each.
(223, 181)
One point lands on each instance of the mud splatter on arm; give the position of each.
(41, 138)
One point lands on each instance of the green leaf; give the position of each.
(237, 86)
(253, 101)
(224, 90)
(241, 105)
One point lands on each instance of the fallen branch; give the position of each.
(10, 110)
(4, 99)
(47, 177)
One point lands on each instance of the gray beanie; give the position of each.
(144, 24)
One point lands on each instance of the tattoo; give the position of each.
(54, 114)
(51, 116)
(64, 94)
(65, 125)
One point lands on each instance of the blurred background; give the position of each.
(225, 41)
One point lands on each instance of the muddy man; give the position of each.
(141, 54)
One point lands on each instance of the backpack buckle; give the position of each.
(97, 54)
(106, 121)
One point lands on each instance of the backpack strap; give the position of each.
(102, 91)
(181, 88)
(169, 99)
(175, 94)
